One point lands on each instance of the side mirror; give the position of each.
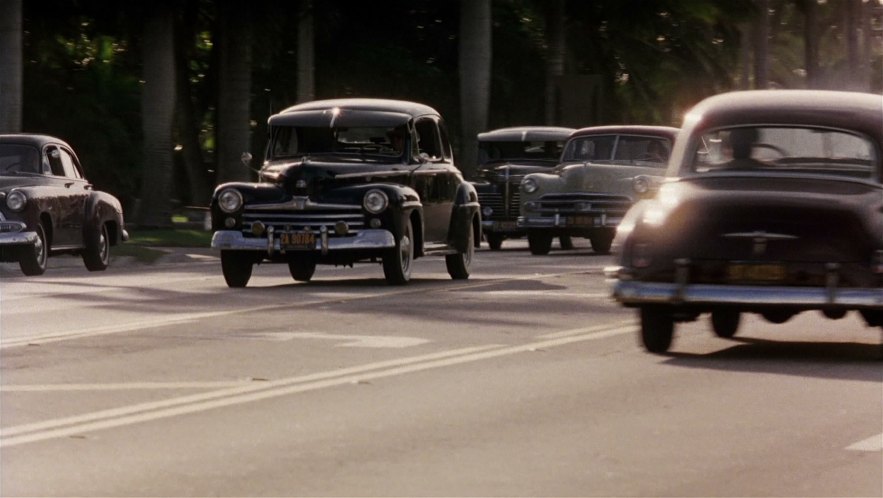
(246, 158)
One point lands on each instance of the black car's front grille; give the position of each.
(584, 204)
(503, 209)
(312, 219)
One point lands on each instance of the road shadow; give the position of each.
(832, 360)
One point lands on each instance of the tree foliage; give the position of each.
(648, 60)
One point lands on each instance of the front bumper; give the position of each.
(576, 222)
(234, 240)
(634, 293)
(12, 233)
(501, 227)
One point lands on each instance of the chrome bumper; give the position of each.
(365, 239)
(12, 233)
(560, 221)
(632, 292)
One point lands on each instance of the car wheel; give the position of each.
(601, 241)
(657, 329)
(458, 264)
(566, 242)
(725, 322)
(494, 241)
(397, 261)
(96, 256)
(302, 268)
(236, 266)
(540, 243)
(34, 261)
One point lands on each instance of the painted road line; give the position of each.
(873, 443)
(607, 327)
(146, 412)
(124, 386)
(347, 341)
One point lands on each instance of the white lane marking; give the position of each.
(349, 341)
(124, 386)
(145, 412)
(873, 443)
(589, 330)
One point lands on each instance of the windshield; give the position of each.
(16, 159)
(507, 151)
(786, 149)
(376, 141)
(627, 150)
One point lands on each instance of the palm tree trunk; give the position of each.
(157, 116)
(10, 66)
(555, 59)
(475, 78)
(234, 91)
(306, 84)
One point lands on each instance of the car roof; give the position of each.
(33, 139)
(413, 109)
(526, 134)
(831, 108)
(669, 132)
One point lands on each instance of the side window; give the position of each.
(428, 139)
(53, 159)
(445, 142)
(69, 165)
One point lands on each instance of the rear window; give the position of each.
(786, 149)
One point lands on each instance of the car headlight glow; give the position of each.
(230, 200)
(375, 201)
(16, 200)
(529, 185)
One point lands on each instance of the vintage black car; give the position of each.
(773, 205)
(602, 172)
(48, 207)
(345, 181)
(505, 156)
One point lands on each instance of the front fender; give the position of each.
(466, 216)
(102, 208)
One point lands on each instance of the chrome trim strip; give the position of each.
(759, 234)
(300, 204)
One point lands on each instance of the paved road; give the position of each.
(524, 380)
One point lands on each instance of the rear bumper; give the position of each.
(634, 293)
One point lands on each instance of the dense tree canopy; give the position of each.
(87, 66)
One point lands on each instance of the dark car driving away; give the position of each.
(48, 207)
(346, 181)
(773, 205)
(505, 155)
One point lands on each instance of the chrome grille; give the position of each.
(497, 202)
(301, 220)
(584, 203)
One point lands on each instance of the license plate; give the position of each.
(759, 272)
(580, 221)
(297, 240)
(504, 226)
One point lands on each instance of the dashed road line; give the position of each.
(873, 443)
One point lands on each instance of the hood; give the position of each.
(514, 170)
(310, 176)
(592, 177)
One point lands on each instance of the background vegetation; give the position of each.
(160, 98)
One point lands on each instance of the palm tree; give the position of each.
(475, 77)
(157, 115)
(234, 90)
(10, 66)
(306, 84)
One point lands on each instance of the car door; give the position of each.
(432, 181)
(70, 191)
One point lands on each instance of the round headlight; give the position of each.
(230, 200)
(375, 201)
(529, 185)
(487, 211)
(16, 200)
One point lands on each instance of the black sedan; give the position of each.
(505, 156)
(773, 205)
(347, 181)
(48, 207)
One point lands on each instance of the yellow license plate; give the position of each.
(762, 272)
(580, 221)
(297, 240)
(505, 226)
